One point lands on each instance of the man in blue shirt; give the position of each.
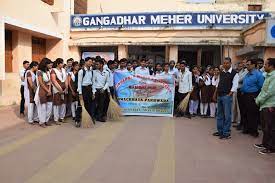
(252, 85)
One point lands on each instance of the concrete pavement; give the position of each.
(135, 150)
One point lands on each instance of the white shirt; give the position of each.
(21, 74)
(235, 81)
(185, 81)
(207, 80)
(142, 71)
(111, 77)
(100, 80)
(174, 71)
(215, 81)
(86, 80)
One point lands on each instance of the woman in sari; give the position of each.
(29, 92)
(43, 97)
(60, 88)
(72, 91)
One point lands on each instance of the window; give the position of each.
(49, 2)
(80, 6)
(254, 7)
(8, 51)
(38, 49)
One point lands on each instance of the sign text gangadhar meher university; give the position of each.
(178, 20)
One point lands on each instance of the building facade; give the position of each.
(199, 31)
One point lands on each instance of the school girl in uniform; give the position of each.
(29, 92)
(194, 96)
(43, 96)
(214, 81)
(60, 88)
(204, 83)
(72, 91)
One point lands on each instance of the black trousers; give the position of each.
(251, 114)
(268, 120)
(101, 99)
(89, 103)
(176, 100)
(241, 103)
(22, 103)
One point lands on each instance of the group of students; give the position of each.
(52, 91)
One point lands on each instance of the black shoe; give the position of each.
(266, 151)
(255, 135)
(216, 134)
(187, 116)
(102, 120)
(259, 146)
(225, 137)
(239, 127)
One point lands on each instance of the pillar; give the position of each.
(2, 49)
(122, 51)
(22, 49)
(199, 52)
(173, 53)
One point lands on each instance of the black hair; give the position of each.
(33, 64)
(129, 62)
(134, 61)
(227, 59)
(81, 62)
(260, 60)
(143, 60)
(110, 62)
(73, 65)
(70, 60)
(164, 64)
(158, 64)
(100, 61)
(57, 62)
(87, 59)
(122, 60)
(183, 62)
(253, 61)
(43, 64)
(271, 62)
(172, 61)
(195, 66)
(26, 62)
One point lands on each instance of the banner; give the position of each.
(167, 20)
(145, 95)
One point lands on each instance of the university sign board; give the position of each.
(231, 20)
(270, 31)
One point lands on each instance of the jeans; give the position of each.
(224, 112)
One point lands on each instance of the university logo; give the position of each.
(77, 21)
(273, 31)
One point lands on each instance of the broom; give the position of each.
(184, 103)
(86, 121)
(114, 110)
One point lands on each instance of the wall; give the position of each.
(255, 35)
(269, 53)
(125, 6)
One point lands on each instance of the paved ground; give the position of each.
(136, 150)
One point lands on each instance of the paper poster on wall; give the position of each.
(106, 55)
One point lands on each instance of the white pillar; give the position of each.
(2, 49)
(122, 51)
(173, 53)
